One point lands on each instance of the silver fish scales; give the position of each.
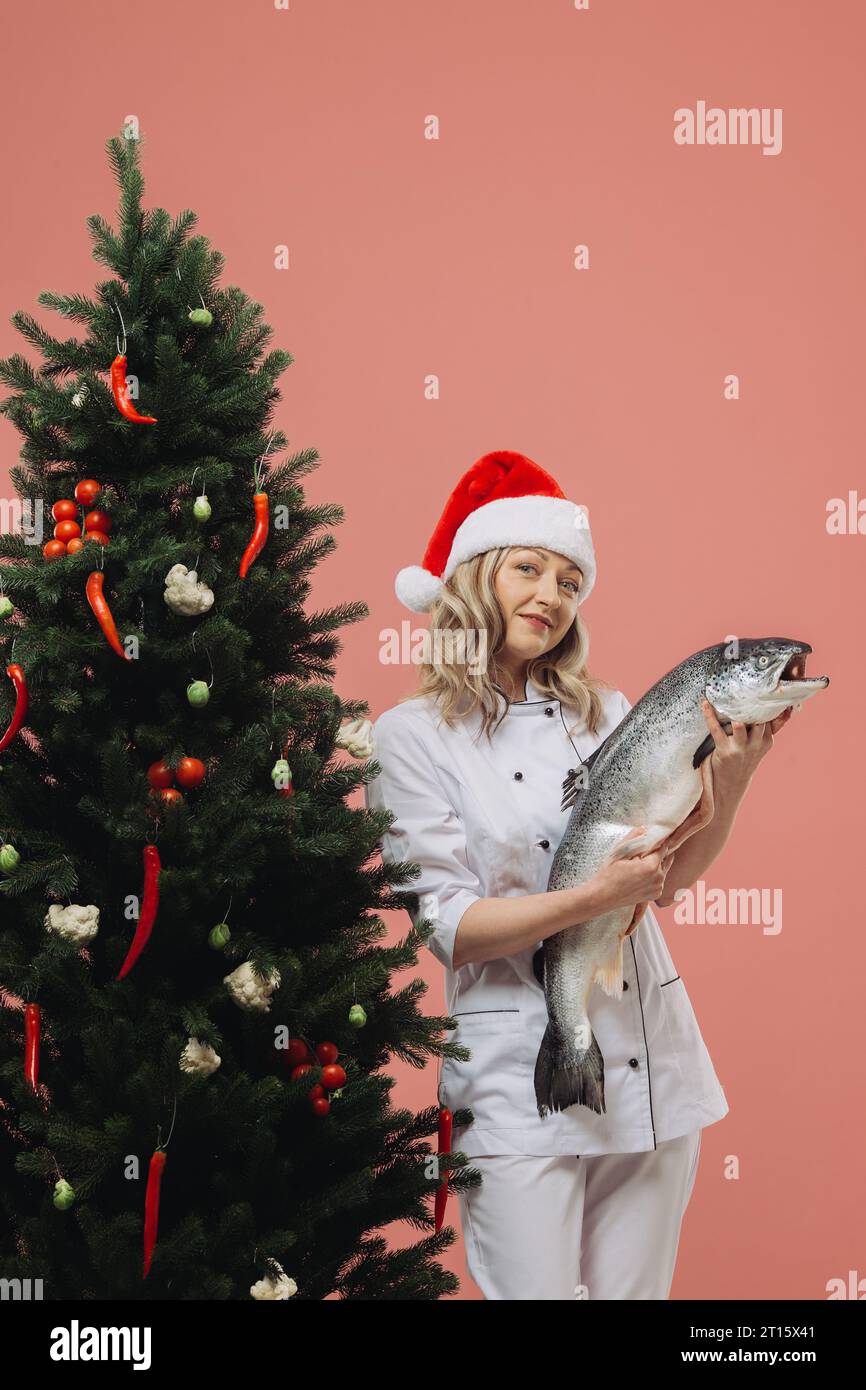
(649, 772)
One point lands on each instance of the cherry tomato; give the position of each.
(170, 795)
(74, 545)
(159, 774)
(297, 1052)
(98, 521)
(65, 510)
(190, 772)
(65, 530)
(87, 491)
(333, 1077)
(327, 1052)
(320, 1106)
(99, 536)
(316, 1093)
(54, 550)
(300, 1071)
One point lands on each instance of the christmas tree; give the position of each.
(195, 1004)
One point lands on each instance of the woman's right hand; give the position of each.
(627, 882)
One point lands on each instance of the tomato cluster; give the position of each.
(189, 773)
(70, 534)
(301, 1060)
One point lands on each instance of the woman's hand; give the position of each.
(736, 755)
(697, 820)
(625, 882)
(726, 773)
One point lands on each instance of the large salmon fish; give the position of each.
(646, 773)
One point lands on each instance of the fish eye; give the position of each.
(763, 661)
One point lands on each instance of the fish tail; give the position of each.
(565, 1076)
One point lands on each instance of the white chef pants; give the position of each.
(605, 1226)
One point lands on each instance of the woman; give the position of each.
(575, 1204)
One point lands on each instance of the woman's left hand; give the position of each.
(726, 773)
(736, 755)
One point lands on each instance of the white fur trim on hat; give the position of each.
(417, 588)
(554, 523)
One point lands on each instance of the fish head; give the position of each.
(756, 679)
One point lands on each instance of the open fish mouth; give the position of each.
(793, 675)
(794, 684)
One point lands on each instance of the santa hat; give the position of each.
(504, 499)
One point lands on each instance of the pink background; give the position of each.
(454, 257)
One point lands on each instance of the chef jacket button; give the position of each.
(632, 1061)
(625, 984)
(548, 710)
(518, 776)
(544, 844)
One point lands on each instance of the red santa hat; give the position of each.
(504, 499)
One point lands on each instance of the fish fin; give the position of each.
(538, 965)
(567, 1077)
(609, 975)
(705, 749)
(577, 779)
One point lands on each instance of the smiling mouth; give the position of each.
(530, 618)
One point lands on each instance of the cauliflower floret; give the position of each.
(276, 1285)
(185, 594)
(74, 922)
(356, 736)
(200, 1057)
(249, 990)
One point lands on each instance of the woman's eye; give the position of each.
(528, 565)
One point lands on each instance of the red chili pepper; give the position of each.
(151, 1206)
(22, 699)
(445, 1121)
(121, 394)
(99, 604)
(32, 1031)
(149, 905)
(260, 531)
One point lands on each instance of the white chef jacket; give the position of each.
(484, 820)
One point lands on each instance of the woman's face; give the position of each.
(536, 581)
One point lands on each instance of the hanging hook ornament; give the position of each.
(159, 1143)
(202, 318)
(198, 691)
(201, 507)
(119, 388)
(151, 1199)
(220, 935)
(261, 508)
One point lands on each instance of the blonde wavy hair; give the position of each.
(468, 604)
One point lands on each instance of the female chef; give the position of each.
(577, 1204)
